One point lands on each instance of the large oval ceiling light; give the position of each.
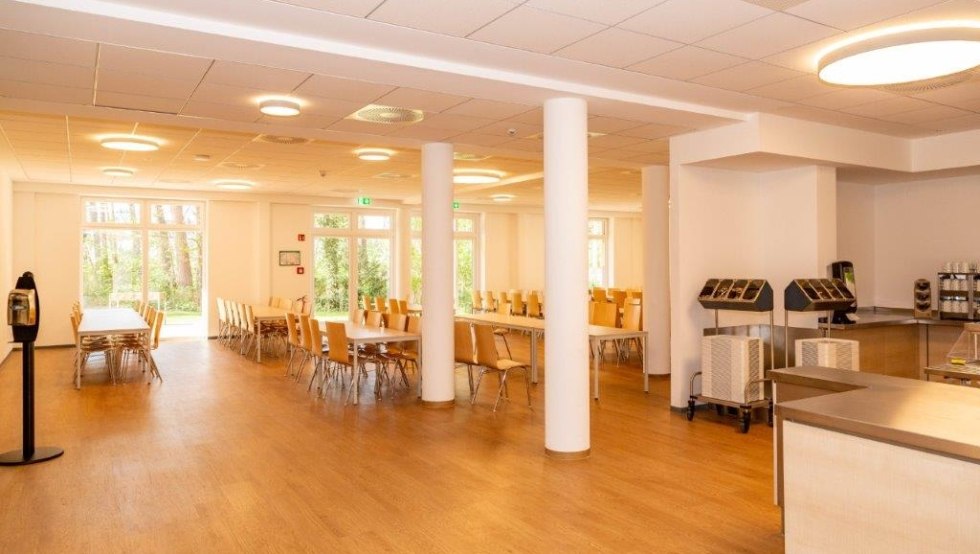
(502, 197)
(231, 184)
(476, 176)
(130, 143)
(902, 55)
(118, 171)
(279, 107)
(374, 154)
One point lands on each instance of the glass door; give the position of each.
(373, 267)
(331, 277)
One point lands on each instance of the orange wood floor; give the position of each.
(228, 456)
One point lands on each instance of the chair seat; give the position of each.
(505, 364)
(500, 331)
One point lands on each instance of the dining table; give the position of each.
(265, 314)
(110, 322)
(359, 334)
(536, 327)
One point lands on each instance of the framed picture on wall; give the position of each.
(289, 257)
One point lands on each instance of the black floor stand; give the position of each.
(29, 454)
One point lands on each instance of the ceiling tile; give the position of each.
(355, 126)
(617, 48)
(304, 120)
(687, 63)
(330, 107)
(33, 71)
(138, 102)
(450, 122)
(781, 5)
(747, 76)
(613, 141)
(198, 108)
(889, 106)
(226, 94)
(146, 85)
(480, 139)
(926, 115)
(45, 93)
(767, 36)
(356, 8)
(792, 90)
(343, 89)
(955, 124)
(653, 131)
(609, 12)
(511, 129)
(420, 99)
(163, 65)
(47, 49)
(534, 117)
(422, 133)
(524, 145)
(954, 95)
(521, 28)
(489, 108)
(689, 21)
(602, 124)
(254, 76)
(846, 98)
(848, 14)
(450, 17)
(650, 146)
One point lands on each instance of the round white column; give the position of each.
(438, 382)
(566, 199)
(656, 274)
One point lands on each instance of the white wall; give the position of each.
(288, 221)
(856, 239)
(7, 280)
(626, 244)
(918, 226)
(234, 263)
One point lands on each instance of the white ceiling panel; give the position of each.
(451, 122)
(511, 129)
(617, 48)
(602, 124)
(963, 123)
(848, 14)
(422, 133)
(888, 106)
(489, 108)
(44, 48)
(480, 139)
(613, 141)
(687, 63)
(609, 12)
(336, 88)
(792, 90)
(450, 17)
(147, 85)
(653, 131)
(152, 63)
(926, 115)
(689, 21)
(768, 35)
(33, 71)
(254, 76)
(45, 93)
(198, 108)
(138, 102)
(304, 120)
(420, 99)
(521, 28)
(845, 98)
(329, 107)
(747, 76)
(356, 8)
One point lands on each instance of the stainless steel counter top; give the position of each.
(935, 417)
(885, 317)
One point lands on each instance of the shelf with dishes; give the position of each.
(959, 293)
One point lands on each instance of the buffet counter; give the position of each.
(873, 463)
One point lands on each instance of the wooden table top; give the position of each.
(268, 312)
(111, 321)
(521, 322)
(360, 334)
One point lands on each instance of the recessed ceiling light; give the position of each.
(118, 171)
(464, 157)
(233, 184)
(202, 157)
(902, 54)
(476, 176)
(374, 154)
(279, 107)
(376, 113)
(130, 143)
(502, 197)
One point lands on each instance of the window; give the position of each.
(598, 251)
(465, 258)
(350, 263)
(146, 251)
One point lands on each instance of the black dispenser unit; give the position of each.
(24, 316)
(844, 271)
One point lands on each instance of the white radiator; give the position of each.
(728, 363)
(838, 353)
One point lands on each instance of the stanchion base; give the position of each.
(41, 454)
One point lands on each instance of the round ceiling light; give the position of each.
(374, 154)
(118, 171)
(230, 184)
(130, 143)
(902, 55)
(502, 197)
(476, 176)
(279, 107)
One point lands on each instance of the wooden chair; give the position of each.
(373, 319)
(306, 344)
(604, 314)
(408, 352)
(490, 361)
(339, 354)
(631, 321)
(92, 345)
(534, 305)
(380, 304)
(393, 306)
(489, 302)
(359, 316)
(618, 297)
(477, 300)
(293, 343)
(222, 318)
(403, 306)
(502, 332)
(599, 294)
(516, 298)
(319, 353)
(463, 350)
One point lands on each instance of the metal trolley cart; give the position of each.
(735, 365)
(813, 295)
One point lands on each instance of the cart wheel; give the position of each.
(744, 421)
(690, 410)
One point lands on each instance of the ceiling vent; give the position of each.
(464, 157)
(241, 165)
(279, 139)
(376, 113)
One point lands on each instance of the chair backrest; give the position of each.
(368, 302)
(503, 297)
(393, 306)
(373, 319)
(157, 325)
(304, 328)
(74, 326)
(476, 299)
(463, 343)
(291, 336)
(516, 296)
(599, 294)
(503, 308)
(618, 297)
(533, 305)
(488, 301)
(316, 336)
(337, 340)
(604, 314)
(380, 304)
(249, 318)
(359, 317)
(222, 315)
(273, 302)
(414, 327)
(486, 346)
(403, 306)
(631, 317)
(637, 294)
(151, 314)
(397, 321)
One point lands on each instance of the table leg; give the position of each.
(78, 364)
(355, 389)
(258, 342)
(534, 356)
(418, 365)
(595, 367)
(643, 355)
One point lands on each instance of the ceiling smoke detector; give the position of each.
(376, 113)
(279, 139)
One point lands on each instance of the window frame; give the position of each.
(473, 235)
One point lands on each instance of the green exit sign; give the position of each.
(455, 205)
(363, 200)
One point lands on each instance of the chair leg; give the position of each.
(503, 387)
(507, 346)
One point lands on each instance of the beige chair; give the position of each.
(604, 314)
(339, 354)
(373, 319)
(293, 342)
(222, 318)
(393, 307)
(503, 308)
(599, 294)
(516, 299)
(380, 304)
(502, 298)
(463, 349)
(359, 316)
(477, 300)
(631, 321)
(403, 306)
(618, 297)
(319, 353)
(92, 345)
(534, 305)
(306, 344)
(489, 302)
(407, 353)
(490, 361)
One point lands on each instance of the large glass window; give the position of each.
(146, 251)
(598, 252)
(350, 261)
(465, 258)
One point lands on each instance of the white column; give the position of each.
(403, 255)
(656, 274)
(438, 383)
(566, 198)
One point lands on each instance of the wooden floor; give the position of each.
(229, 456)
